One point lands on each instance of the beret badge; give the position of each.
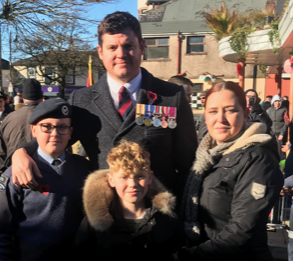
(65, 110)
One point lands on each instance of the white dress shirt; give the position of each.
(47, 159)
(132, 86)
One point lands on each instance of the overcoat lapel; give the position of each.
(103, 100)
(147, 84)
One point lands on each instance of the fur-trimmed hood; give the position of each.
(98, 195)
(254, 133)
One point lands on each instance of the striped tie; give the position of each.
(125, 102)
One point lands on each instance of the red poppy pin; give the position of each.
(152, 96)
(45, 189)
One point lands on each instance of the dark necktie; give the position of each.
(125, 102)
(56, 162)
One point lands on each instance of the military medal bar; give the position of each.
(158, 116)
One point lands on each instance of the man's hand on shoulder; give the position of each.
(23, 169)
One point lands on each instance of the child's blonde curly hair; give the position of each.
(130, 157)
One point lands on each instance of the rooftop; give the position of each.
(185, 15)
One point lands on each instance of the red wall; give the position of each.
(271, 86)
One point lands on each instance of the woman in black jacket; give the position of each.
(234, 183)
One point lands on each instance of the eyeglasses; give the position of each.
(48, 128)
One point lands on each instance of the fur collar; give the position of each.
(255, 133)
(98, 195)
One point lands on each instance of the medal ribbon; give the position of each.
(165, 111)
(151, 111)
(138, 110)
(173, 112)
(147, 110)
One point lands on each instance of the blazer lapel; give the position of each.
(103, 100)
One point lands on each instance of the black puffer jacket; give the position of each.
(236, 198)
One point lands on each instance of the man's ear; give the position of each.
(110, 180)
(100, 51)
(33, 129)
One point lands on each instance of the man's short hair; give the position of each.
(117, 22)
(269, 97)
(180, 80)
(130, 157)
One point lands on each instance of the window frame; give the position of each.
(154, 46)
(71, 73)
(47, 80)
(193, 44)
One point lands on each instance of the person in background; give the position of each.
(256, 113)
(267, 103)
(186, 83)
(202, 129)
(42, 224)
(15, 129)
(3, 111)
(285, 98)
(129, 213)
(279, 128)
(19, 104)
(233, 184)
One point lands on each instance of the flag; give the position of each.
(90, 77)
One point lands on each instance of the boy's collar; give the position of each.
(42, 155)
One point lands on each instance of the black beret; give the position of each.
(32, 90)
(56, 108)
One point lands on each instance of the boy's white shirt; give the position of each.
(45, 157)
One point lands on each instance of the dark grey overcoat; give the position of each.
(99, 127)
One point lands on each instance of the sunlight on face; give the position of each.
(224, 115)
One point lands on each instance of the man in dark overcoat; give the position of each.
(101, 119)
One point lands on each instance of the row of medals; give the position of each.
(156, 122)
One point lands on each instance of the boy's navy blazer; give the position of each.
(99, 127)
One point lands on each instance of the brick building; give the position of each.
(178, 41)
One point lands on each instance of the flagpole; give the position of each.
(90, 70)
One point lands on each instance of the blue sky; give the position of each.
(98, 11)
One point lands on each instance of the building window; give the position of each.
(70, 79)
(31, 73)
(49, 72)
(196, 92)
(195, 44)
(156, 48)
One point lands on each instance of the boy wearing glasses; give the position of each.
(41, 225)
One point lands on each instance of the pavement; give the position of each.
(277, 241)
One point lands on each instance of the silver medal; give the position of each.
(139, 120)
(157, 122)
(172, 124)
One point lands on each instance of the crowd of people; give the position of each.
(149, 186)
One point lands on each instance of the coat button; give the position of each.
(144, 141)
(227, 159)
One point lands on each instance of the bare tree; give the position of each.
(32, 16)
(57, 57)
